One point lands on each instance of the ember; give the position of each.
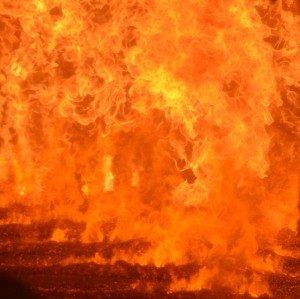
(150, 148)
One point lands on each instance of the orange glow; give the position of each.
(175, 123)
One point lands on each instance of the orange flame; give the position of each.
(173, 122)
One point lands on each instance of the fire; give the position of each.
(174, 123)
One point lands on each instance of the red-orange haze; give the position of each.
(172, 122)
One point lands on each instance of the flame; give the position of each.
(173, 122)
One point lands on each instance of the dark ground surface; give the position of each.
(32, 267)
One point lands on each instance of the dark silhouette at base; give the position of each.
(12, 288)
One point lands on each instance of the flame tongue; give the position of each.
(170, 123)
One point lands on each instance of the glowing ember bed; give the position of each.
(149, 148)
(67, 270)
